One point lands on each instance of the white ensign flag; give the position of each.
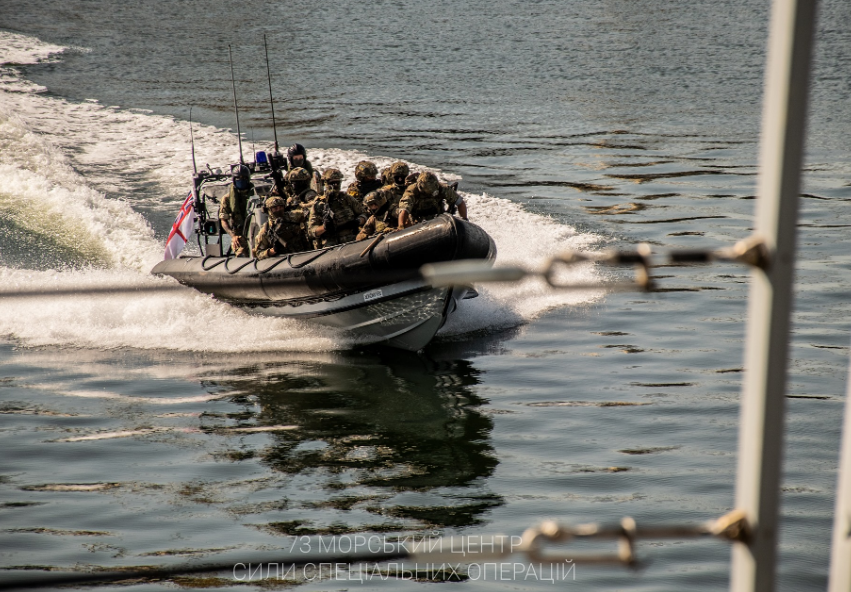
(181, 228)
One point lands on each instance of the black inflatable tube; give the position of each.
(336, 270)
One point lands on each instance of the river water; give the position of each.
(155, 429)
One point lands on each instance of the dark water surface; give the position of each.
(147, 431)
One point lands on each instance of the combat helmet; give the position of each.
(298, 175)
(275, 201)
(241, 177)
(399, 169)
(428, 183)
(332, 176)
(374, 198)
(294, 150)
(366, 170)
(240, 171)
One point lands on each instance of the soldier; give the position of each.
(299, 191)
(300, 195)
(234, 209)
(297, 158)
(383, 219)
(335, 216)
(395, 188)
(365, 175)
(386, 179)
(282, 233)
(425, 199)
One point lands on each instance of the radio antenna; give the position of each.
(235, 108)
(192, 142)
(271, 100)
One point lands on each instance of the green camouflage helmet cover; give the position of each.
(332, 176)
(374, 197)
(428, 183)
(298, 174)
(366, 170)
(399, 169)
(274, 201)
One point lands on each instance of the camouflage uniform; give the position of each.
(395, 189)
(360, 189)
(298, 186)
(284, 232)
(425, 199)
(234, 210)
(301, 196)
(366, 182)
(384, 219)
(303, 199)
(338, 212)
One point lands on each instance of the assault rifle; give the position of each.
(328, 221)
(273, 234)
(453, 208)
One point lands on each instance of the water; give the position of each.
(162, 428)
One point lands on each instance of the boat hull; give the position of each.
(376, 295)
(407, 316)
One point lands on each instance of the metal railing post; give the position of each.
(840, 551)
(770, 302)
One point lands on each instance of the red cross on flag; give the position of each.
(182, 228)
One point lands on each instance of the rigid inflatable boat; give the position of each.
(371, 288)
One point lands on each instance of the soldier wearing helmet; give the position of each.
(282, 233)
(385, 178)
(335, 216)
(426, 199)
(394, 189)
(300, 195)
(298, 187)
(297, 158)
(382, 218)
(365, 180)
(233, 211)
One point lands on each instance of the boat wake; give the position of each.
(88, 195)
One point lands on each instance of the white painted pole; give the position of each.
(840, 552)
(770, 302)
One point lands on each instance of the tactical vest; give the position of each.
(345, 216)
(235, 205)
(422, 206)
(359, 190)
(289, 233)
(393, 194)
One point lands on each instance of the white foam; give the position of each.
(114, 435)
(41, 193)
(187, 321)
(527, 240)
(21, 49)
(71, 172)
